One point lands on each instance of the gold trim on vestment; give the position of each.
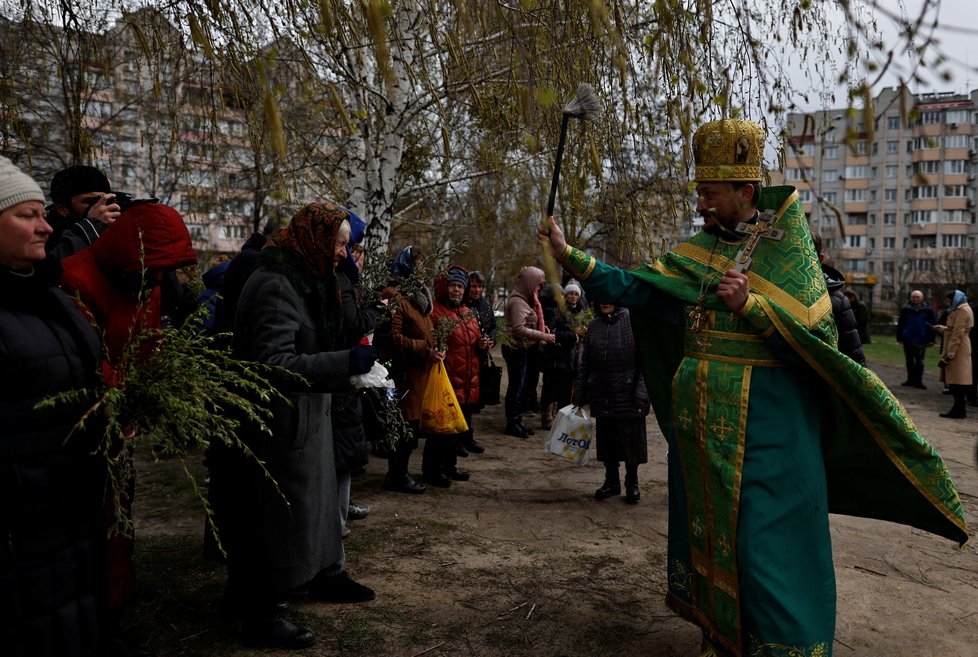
(807, 316)
(741, 449)
(814, 364)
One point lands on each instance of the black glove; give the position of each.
(362, 359)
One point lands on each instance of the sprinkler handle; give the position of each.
(560, 154)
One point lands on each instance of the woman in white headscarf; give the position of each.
(956, 351)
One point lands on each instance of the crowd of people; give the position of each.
(919, 327)
(726, 358)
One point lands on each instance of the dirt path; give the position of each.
(521, 560)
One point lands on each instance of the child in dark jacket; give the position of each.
(610, 381)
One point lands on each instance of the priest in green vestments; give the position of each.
(770, 427)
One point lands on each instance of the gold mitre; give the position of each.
(728, 150)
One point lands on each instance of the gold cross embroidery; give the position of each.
(703, 342)
(721, 428)
(684, 419)
(762, 228)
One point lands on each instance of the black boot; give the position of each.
(472, 446)
(515, 428)
(957, 411)
(275, 633)
(527, 430)
(398, 480)
(612, 484)
(632, 493)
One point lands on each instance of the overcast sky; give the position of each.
(956, 37)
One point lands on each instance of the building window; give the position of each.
(805, 195)
(889, 242)
(857, 171)
(953, 241)
(893, 122)
(856, 266)
(891, 171)
(831, 153)
(922, 216)
(926, 143)
(955, 190)
(888, 267)
(928, 191)
(889, 218)
(830, 175)
(855, 195)
(928, 166)
(957, 217)
(929, 117)
(861, 147)
(855, 241)
(805, 173)
(236, 232)
(197, 231)
(856, 219)
(830, 197)
(955, 166)
(889, 194)
(956, 141)
(957, 116)
(892, 147)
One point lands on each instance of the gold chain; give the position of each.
(698, 316)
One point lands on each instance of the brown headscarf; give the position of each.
(303, 252)
(312, 232)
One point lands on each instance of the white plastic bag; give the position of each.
(571, 435)
(377, 377)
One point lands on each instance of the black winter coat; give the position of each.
(349, 440)
(845, 319)
(610, 379)
(52, 550)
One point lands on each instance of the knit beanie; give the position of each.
(572, 286)
(458, 275)
(75, 180)
(16, 186)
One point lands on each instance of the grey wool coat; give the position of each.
(288, 541)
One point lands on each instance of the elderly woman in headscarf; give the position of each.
(526, 330)
(50, 482)
(286, 534)
(409, 342)
(955, 360)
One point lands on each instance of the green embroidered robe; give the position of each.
(770, 428)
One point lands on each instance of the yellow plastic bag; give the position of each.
(440, 412)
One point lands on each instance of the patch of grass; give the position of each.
(885, 349)
(358, 635)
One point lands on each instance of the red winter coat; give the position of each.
(462, 356)
(96, 273)
(147, 237)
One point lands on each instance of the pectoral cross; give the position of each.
(698, 316)
(762, 228)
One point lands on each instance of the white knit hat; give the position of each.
(572, 286)
(16, 186)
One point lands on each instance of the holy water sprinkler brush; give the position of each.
(584, 105)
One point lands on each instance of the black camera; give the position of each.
(125, 200)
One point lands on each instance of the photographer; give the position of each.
(83, 205)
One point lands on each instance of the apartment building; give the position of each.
(892, 191)
(135, 100)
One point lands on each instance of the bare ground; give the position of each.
(521, 560)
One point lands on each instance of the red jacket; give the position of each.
(98, 274)
(462, 357)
